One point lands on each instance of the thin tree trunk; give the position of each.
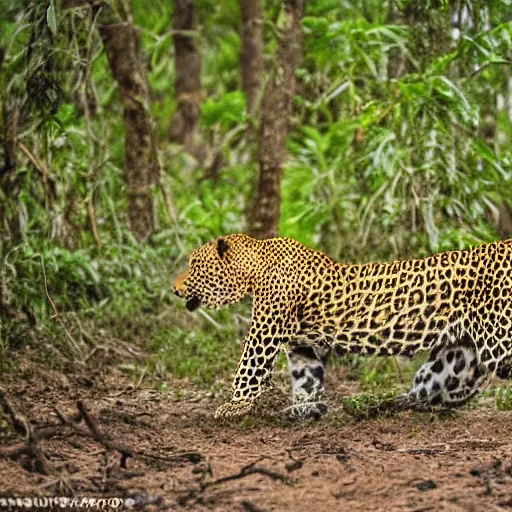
(10, 181)
(121, 41)
(8, 121)
(252, 51)
(187, 84)
(504, 227)
(275, 116)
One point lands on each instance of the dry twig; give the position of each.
(249, 469)
(110, 445)
(22, 426)
(71, 426)
(56, 312)
(126, 452)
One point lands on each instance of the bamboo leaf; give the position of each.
(51, 18)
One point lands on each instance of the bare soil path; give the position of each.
(181, 459)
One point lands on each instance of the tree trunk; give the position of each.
(504, 227)
(275, 116)
(187, 84)
(252, 51)
(121, 42)
(10, 181)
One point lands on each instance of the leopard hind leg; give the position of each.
(450, 378)
(504, 370)
(307, 369)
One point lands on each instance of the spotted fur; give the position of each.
(301, 297)
(307, 370)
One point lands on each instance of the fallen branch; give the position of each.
(437, 448)
(96, 434)
(126, 452)
(68, 427)
(246, 471)
(18, 421)
(31, 446)
(249, 469)
(13, 452)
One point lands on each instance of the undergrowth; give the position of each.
(503, 398)
(203, 350)
(49, 292)
(367, 406)
(378, 374)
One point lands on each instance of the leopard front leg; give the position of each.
(253, 374)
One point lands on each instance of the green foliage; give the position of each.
(117, 277)
(395, 159)
(380, 374)
(364, 407)
(41, 286)
(503, 398)
(51, 18)
(201, 352)
(226, 112)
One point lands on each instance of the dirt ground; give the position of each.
(178, 458)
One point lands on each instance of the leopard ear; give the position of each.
(222, 247)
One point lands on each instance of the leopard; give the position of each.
(455, 305)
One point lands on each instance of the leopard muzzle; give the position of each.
(184, 292)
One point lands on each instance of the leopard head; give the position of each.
(219, 273)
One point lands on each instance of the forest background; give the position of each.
(132, 132)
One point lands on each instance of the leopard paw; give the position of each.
(234, 409)
(306, 411)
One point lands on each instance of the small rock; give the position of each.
(292, 466)
(426, 485)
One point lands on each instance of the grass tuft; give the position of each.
(368, 406)
(503, 398)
